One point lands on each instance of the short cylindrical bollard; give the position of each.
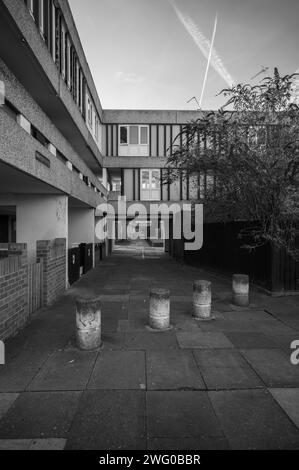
(159, 314)
(88, 321)
(241, 290)
(202, 300)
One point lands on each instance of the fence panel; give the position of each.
(35, 286)
(222, 250)
(9, 265)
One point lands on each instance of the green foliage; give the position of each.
(251, 157)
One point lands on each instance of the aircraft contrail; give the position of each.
(208, 63)
(203, 44)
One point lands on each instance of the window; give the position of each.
(81, 91)
(53, 31)
(89, 112)
(63, 54)
(123, 135)
(57, 45)
(77, 83)
(42, 17)
(68, 61)
(116, 185)
(50, 21)
(134, 135)
(97, 125)
(31, 7)
(150, 185)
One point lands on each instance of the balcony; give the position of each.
(26, 166)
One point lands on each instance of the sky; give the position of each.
(152, 54)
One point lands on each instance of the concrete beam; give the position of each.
(142, 116)
(134, 162)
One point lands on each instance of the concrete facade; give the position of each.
(61, 154)
(127, 163)
(50, 155)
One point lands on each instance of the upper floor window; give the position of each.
(97, 127)
(63, 51)
(89, 112)
(133, 141)
(68, 61)
(134, 135)
(30, 4)
(116, 185)
(42, 17)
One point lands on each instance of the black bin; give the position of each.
(73, 265)
(86, 256)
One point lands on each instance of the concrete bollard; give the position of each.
(88, 321)
(202, 300)
(241, 290)
(159, 314)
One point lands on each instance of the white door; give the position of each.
(150, 185)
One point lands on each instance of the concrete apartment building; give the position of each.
(61, 156)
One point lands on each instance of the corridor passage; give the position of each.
(228, 383)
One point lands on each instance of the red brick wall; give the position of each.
(53, 254)
(14, 294)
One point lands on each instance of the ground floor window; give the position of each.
(150, 185)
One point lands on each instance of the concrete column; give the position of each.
(105, 177)
(241, 290)
(159, 315)
(88, 321)
(202, 300)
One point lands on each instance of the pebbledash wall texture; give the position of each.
(53, 254)
(14, 291)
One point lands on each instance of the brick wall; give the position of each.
(53, 254)
(13, 291)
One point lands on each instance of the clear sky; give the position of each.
(151, 54)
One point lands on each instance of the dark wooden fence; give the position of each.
(222, 251)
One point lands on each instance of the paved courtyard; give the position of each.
(226, 384)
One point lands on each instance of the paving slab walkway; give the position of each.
(219, 385)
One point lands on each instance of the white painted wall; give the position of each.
(41, 217)
(81, 225)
